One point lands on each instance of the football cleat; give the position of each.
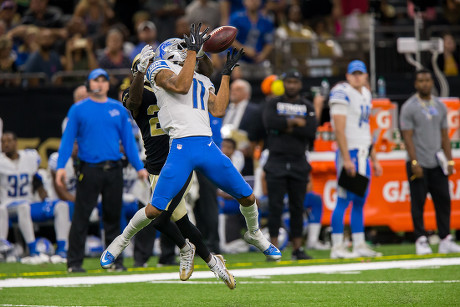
(258, 240)
(318, 245)
(186, 265)
(341, 252)
(422, 247)
(221, 271)
(36, 259)
(447, 245)
(362, 250)
(113, 251)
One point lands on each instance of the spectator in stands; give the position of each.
(113, 56)
(79, 54)
(42, 15)
(165, 13)
(449, 61)
(45, 60)
(423, 122)
(451, 10)
(293, 27)
(255, 34)
(327, 46)
(97, 15)
(25, 43)
(227, 8)
(204, 11)
(146, 35)
(243, 120)
(8, 14)
(7, 61)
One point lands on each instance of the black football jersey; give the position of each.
(156, 141)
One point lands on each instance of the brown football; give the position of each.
(221, 39)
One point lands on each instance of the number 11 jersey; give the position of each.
(182, 115)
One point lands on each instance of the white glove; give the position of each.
(146, 55)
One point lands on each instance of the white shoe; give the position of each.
(186, 264)
(220, 270)
(36, 259)
(448, 245)
(112, 252)
(320, 246)
(58, 259)
(422, 247)
(362, 250)
(258, 240)
(341, 252)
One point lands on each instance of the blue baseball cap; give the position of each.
(356, 65)
(97, 73)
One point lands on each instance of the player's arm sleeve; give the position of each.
(127, 138)
(155, 68)
(68, 138)
(406, 121)
(338, 95)
(272, 121)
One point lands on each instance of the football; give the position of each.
(221, 39)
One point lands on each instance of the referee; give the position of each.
(98, 123)
(291, 124)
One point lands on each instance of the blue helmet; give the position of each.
(173, 50)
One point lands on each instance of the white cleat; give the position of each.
(448, 245)
(36, 259)
(258, 240)
(341, 252)
(422, 247)
(186, 262)
(112, 252)
(362, 250)
(221, 271)
(58, 259)
(319, 246)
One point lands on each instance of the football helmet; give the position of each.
(173, 50)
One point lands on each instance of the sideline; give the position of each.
(238, 273)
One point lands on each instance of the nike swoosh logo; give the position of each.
(209, 144)
(107, 258)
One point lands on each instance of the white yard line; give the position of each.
(319, 282)
(117, 279)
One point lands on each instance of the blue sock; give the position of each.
(357, 216)
(32, 249)
(338, 214)
(60, 246)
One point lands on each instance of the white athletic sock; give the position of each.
(212, 262)
(313, 233)
(137, 222)
(25, 223)
(3, 222)
(251, 215)
(337, 239)
(358, 238)
(186, 248)
(61, 221)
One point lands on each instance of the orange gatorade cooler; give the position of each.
(381, 123)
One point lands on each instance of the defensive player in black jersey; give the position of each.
(141, 101)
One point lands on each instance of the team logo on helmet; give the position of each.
(173, 50)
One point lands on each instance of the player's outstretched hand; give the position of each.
(146, 55)
(196, 38)
(232, 60)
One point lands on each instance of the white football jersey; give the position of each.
(357, 129)
(71, 179)
(16, 176)
(182, 115)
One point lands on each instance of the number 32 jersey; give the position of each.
(357, 129)
(182, 115)
(16, 176)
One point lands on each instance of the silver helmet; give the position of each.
(173, 50)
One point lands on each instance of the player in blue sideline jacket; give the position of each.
(350, 108)
(98, 123)
(184, 97)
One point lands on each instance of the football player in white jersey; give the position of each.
(17, 178)
(184, 98)
(350, 107)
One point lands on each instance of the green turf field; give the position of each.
(433, 285)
